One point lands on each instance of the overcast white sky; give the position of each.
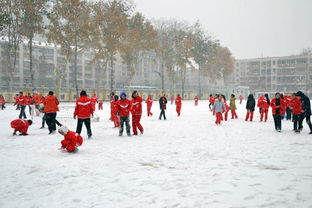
(250, 28)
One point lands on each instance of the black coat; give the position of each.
(250, 105)
(306, 105)
(162, 103)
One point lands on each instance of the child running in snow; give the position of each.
(71, 139)
(218, 109)
(21, 126)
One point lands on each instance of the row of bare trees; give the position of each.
(108, 28)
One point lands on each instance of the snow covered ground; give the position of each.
(184, 161)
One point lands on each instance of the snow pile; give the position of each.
(184, 161)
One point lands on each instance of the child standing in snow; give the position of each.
(124, 107)
(278, 111)
(296, 107)
(233, 106)
(100, 105)
(219, 108)
(250, 106)
(71, 139)
(227, 108)
(178, 103)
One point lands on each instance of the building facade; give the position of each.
(274, 74)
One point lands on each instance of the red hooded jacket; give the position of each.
(71, 140)
(124, 107)
(84, 108)
(20, 125)
(21, 100)
(282, 107)
(149, 101)
(296, 106)
(212, 100)
(136, 106)
(262, 103)
(178, 101)
(50, 103)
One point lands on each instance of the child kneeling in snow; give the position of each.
(21, 126)
(71, 139)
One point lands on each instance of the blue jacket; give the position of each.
(219, 107)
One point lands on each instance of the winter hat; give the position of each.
(83, 93)
(63, 130)
(123, 93)
(299, 93)
(29, 122)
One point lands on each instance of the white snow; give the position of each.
(186, 162)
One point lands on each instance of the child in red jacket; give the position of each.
(21, 126)
(71, 139)
(178, 103)
(296, 108)
(124, 107)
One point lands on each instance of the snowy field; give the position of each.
(185, 162)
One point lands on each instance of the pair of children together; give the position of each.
(70, 142)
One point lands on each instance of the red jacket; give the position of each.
(124, 107)
(196, 98)
(288, 100)
(211, 100)
(29, 100)
(21, 100)
(50, 103)
(296, 106)
(2, 100)
(112, 100)
(84, 108)
(281, 107)
(20, 125)
(178, 101)
(149, 101)
(71, 140)
(226, 106)
(94, 99)
(262, 103)
(136, 106)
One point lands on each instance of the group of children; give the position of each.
(121, 107)
(297, 104)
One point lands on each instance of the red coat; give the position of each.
(211, 100)
(94, 99)
(262, 103)
(149, 101)
(50, 103)
(136, 106)
(71, 140)
(196, 98)
(288, 100)
(84, 108)
(20, 125)
(282, 107)
(112, 100)
(296, 106)
(21, 100)
(2, 101)
(178, 101)
(123, 107)
(29, 100)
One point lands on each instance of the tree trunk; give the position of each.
(31, 63)
(112, 73)
(199, 83)
(76, 71)
(183, 73)
(162, 76)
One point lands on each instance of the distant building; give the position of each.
(274, 74)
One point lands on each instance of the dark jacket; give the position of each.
(162, 103)
(251, 103)
(306, 105)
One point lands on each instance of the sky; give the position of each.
(249, 28)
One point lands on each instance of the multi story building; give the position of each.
(271, 74)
